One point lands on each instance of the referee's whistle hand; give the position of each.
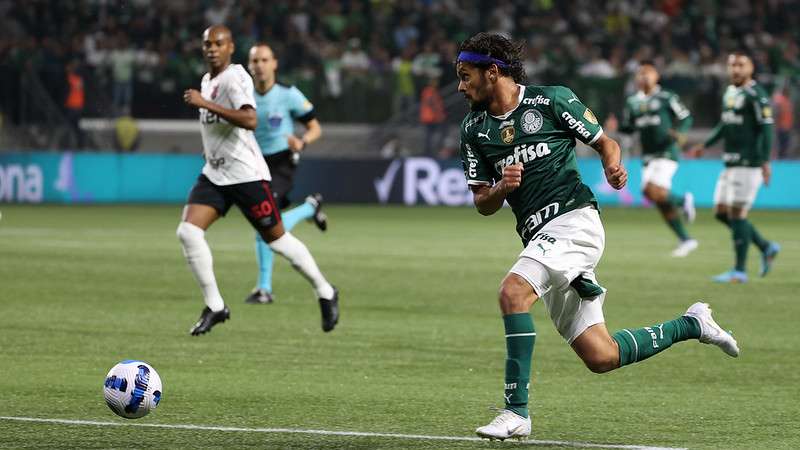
(295, 144)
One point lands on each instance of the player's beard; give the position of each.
(481, 102)
(738, 80)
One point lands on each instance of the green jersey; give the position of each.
(745, 126)
(540, 133)
(656, 117)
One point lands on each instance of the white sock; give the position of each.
(198, 255)
(296, 252)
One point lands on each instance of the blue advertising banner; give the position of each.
(36, 177)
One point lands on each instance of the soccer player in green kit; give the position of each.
(518, 145)
(746, 129)
(662, 121)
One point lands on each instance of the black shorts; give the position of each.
(253, 198)
(282, 166)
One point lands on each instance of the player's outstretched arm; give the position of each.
(245, 117)
(488, 199)
(610, 154)
(716, 134)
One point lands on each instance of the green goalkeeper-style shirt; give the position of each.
(540, 133)
(745, 126)
(656, 117)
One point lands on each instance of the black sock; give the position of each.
(723, 218)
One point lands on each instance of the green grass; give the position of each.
(419, 348)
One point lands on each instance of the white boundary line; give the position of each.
(322, 432)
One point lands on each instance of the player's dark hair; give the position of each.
(265, 44)
(498, 47)
(742, 52)
(647, 62)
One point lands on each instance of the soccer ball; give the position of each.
(132, 388)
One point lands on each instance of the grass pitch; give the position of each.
(419, 349)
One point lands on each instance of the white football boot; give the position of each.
(684, 248)
(507, 425)
(710, 332)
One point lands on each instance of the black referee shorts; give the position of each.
(282, 166)
(253, 198)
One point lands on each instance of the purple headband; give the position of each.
(477, 58)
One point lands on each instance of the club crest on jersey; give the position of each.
(655, 104)
(532, 121)
(214, 92)
(507, 134)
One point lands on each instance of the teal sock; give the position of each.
(759, 240)
(296, 215)
(265, 259)
(520, 338)
(741, 231)
(676, 199)
(642, 343)
(677, 227)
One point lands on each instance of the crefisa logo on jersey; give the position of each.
(538, 100)
(532, 121)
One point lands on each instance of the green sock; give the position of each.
(520, 337)
(642, 343)
(676, 225)
(741, 231)
(676, 199)
(759, 240)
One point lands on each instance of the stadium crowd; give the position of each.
(137, 56)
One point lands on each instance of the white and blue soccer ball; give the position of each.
(132, 389)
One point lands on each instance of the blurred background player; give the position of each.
(235, 173)
(278, 106)
(518, 145)
(746, 129)
(662, 122)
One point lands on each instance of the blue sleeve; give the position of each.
(300, 108)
